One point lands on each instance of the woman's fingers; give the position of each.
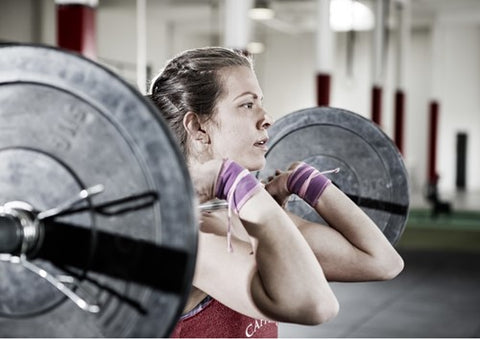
(293, 165)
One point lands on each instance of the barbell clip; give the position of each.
(82, 196)
(80, 302)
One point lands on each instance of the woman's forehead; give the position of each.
(240, 79)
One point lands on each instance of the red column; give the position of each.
(432, 142)
(377, 105)
(323, 89)
(76, 28)
(399, 119)
(323, 53)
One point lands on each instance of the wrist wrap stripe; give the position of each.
(308, 183)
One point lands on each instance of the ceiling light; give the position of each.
(348, 15)
(91, 3)
(255, 47)
(261, 10)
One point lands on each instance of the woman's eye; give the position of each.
(248, 105)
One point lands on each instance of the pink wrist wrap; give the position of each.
(236, 185)
(308, 183)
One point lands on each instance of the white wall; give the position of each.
(286, 71)
(117, 35)
(16, 20)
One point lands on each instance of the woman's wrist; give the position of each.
(235, 184)
(308, 183)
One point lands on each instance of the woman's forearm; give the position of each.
(357, 227)
(289, 279)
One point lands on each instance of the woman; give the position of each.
(278, 264)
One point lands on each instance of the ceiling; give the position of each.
(298, 16)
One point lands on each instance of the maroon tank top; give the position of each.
(211, 319)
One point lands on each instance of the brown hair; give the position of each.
(191, 82)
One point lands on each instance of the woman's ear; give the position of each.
(193, 126)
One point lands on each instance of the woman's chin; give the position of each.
(252, 165)
(257, 165)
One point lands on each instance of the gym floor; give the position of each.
(437, 294)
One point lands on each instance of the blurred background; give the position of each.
(412, 66)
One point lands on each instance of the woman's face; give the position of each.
(239, 128)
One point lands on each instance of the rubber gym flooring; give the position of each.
(436, 295)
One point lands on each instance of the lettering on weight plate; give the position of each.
(61, 143)
(255, 325)
(67, 128)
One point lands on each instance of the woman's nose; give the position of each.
(267, 121)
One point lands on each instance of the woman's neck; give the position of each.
(197, 157)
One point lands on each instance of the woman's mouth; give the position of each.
(262, 144)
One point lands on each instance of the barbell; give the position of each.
(98, 226)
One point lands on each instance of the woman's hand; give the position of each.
(277, 185)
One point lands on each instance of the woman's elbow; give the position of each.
(322, 311)
(390, 268)
(396, 267)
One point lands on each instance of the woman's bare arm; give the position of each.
(352, 248)
(282, 280)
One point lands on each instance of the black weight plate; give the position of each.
(372, 172)
(66, 124)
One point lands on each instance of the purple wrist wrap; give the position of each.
(308, 183)
(235, 184)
